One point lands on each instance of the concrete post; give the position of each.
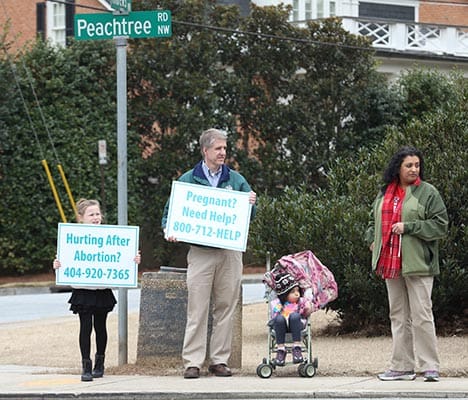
(163, 314)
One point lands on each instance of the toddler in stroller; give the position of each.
(298, 285)
(290, 311)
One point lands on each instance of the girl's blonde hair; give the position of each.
(83, 204)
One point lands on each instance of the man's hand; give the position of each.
(170, 238)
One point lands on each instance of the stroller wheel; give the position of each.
(264, 370)
(306, 370)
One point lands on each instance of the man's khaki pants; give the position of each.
(217, 274)
(412, 323)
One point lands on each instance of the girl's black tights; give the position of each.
(87, 320)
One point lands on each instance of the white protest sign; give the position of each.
(208, 216)
(97, 255)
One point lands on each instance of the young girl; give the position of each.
(92, 304)
(289, 314)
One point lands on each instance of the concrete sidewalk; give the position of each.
(22, 382)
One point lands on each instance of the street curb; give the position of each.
(235, 395)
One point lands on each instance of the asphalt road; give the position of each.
(44, 304)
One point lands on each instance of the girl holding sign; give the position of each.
(92, 304)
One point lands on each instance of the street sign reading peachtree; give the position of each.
(138, 24)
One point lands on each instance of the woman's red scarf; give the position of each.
(389, 265)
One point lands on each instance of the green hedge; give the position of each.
(75, 89)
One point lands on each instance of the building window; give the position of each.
(56, 23)
(295, 10)
(320, 9)
(332, 11)
(40, 20)
(387, 11)
(313, 9)
(308, 9)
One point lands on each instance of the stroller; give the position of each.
(318, 286)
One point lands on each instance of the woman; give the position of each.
(408, 219)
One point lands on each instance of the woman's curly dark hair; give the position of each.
(393, 168)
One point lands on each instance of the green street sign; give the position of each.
(138, 24)
(121, 5)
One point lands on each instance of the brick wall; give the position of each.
(22, 15)
(454, 12)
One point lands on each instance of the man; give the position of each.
(212, 273)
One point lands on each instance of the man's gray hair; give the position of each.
(209, 136)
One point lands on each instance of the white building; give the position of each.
(404, 32)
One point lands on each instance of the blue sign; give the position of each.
(97, 255)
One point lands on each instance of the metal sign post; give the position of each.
(121, 48)
(120, 26)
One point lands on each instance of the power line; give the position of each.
(236, 31)
(33, 91)
(459, 3)
(15, 77)
(256, 34)
(249, 33)
(269, 36)
(28, 114)
(25, 105)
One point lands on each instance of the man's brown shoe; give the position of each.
(220, 370)
(192, 373)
